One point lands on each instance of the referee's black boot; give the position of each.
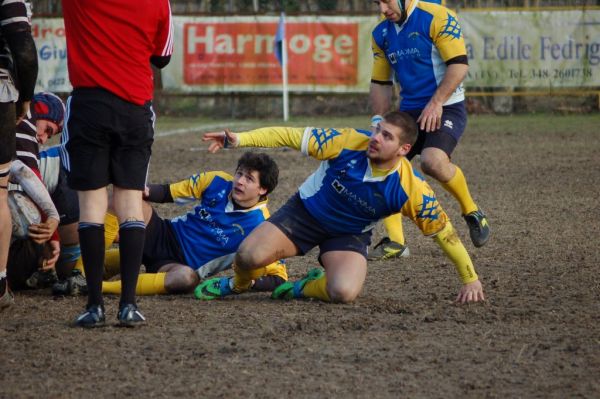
(92, 317)
(130, 316)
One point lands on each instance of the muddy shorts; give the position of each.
(305, 231)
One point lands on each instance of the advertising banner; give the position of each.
(532, 49)
(324, 54)
(525, 49)
(51, 44)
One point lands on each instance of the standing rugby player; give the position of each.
(109, 131)
(18, 73)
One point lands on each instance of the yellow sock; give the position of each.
(112, 263)
(276, 269)
(79, 265)
(148, 284)
(457, 186)
(393, 226)
(242, 280)
(111, 230)
(317, 289)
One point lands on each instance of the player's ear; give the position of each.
(262, 191)
(404, 149)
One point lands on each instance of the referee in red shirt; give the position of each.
(109, 130)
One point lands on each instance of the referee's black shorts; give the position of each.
(108, 140)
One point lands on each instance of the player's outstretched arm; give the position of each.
(472, 290)
(221, 139)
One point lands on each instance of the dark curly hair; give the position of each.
(267, 169)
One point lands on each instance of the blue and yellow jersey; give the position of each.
(214, 228)
(416, 52)
(346, 194)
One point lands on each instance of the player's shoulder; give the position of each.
(215, 177)
(381, 28)
(437, 11)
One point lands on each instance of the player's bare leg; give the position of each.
(172, 278)
(6, 298)
(437, 164)
(344, 277)
(263, 246)
(345, 272)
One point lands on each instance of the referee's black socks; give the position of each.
(131, 247)
(91, 242)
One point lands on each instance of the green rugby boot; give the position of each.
(293, 289)
(213, 288)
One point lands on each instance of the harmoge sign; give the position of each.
(235, 53)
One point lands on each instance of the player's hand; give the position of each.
(22, 109)
(42, 232)
(223, 139)
(471, 292)
(430, 119)
(51, 255)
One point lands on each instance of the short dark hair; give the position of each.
(268, 171)
(406, 123)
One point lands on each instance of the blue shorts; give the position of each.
(454, 122)
(305, 231)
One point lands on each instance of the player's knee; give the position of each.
(244, 258)
(342, 293)
(248, 257)
(181, 280)
(431, 167)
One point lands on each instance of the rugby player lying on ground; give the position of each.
(179, 252)
(363, 177)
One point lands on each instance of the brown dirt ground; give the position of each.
(537, 335)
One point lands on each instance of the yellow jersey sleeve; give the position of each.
(328, 143)
(191, 189)
(319, 143)
(446, 32)
(271, 137)
(382, 70)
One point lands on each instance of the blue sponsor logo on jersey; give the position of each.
(452, 28)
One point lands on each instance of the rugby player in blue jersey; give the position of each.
(420, 46)
(363, 177)
(179, 252)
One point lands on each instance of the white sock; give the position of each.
(3, 274)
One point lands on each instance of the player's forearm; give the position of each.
(272, 137)
(455, 74)
(34, 188)
(450, 243)
(24, 53)
(380, 96)
(159, 193)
